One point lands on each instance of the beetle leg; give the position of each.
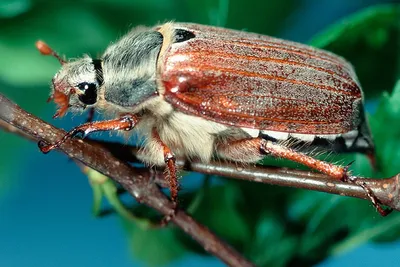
(375, 201)
(276, 150)
(232, 149)
(90, 115)
(125, 122)
(169, 159)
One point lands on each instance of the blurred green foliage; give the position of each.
(271, 225)
(369, 40)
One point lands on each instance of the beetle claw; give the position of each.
(44, 146)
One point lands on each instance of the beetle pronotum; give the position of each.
(199, 91)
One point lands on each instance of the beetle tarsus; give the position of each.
(384, 212)
(347, 167)
(346, 174)
(372, 160)
(167, 218)
(375, 201)
(164, 221)
(46, 148)
(43, 146)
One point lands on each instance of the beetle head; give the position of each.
(75, 86)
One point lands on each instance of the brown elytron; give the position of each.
(250, 80)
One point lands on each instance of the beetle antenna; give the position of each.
(44, 49)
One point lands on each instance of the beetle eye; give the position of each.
(89, 96)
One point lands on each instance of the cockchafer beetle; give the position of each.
(198, 91)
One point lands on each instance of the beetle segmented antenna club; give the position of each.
(200, 92)
(44, 49)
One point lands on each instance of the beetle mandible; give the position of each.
(198, 91)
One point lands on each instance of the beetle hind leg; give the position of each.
(250, 149)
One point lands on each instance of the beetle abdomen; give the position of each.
(353, 141)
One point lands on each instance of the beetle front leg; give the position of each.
(125, 122)
(258, 146)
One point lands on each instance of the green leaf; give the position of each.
(387, 139)
(138, 229)
(273, 243)
(369, 40)
(211, 12)
(260, 16)
(81, 31)
(331, 221)
(219, 210)
(386, 226)
(97, 197)
(13, 8)
(155, 247)
(104, 187)
(354, 26)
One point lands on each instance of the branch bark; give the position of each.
(137, 181)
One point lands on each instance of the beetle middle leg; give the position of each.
(169, 159)
(259, 146)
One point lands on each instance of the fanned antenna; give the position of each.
(44, 49)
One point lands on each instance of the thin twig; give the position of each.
(386, 190)
(137, 181)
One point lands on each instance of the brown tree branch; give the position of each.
(137, 181)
